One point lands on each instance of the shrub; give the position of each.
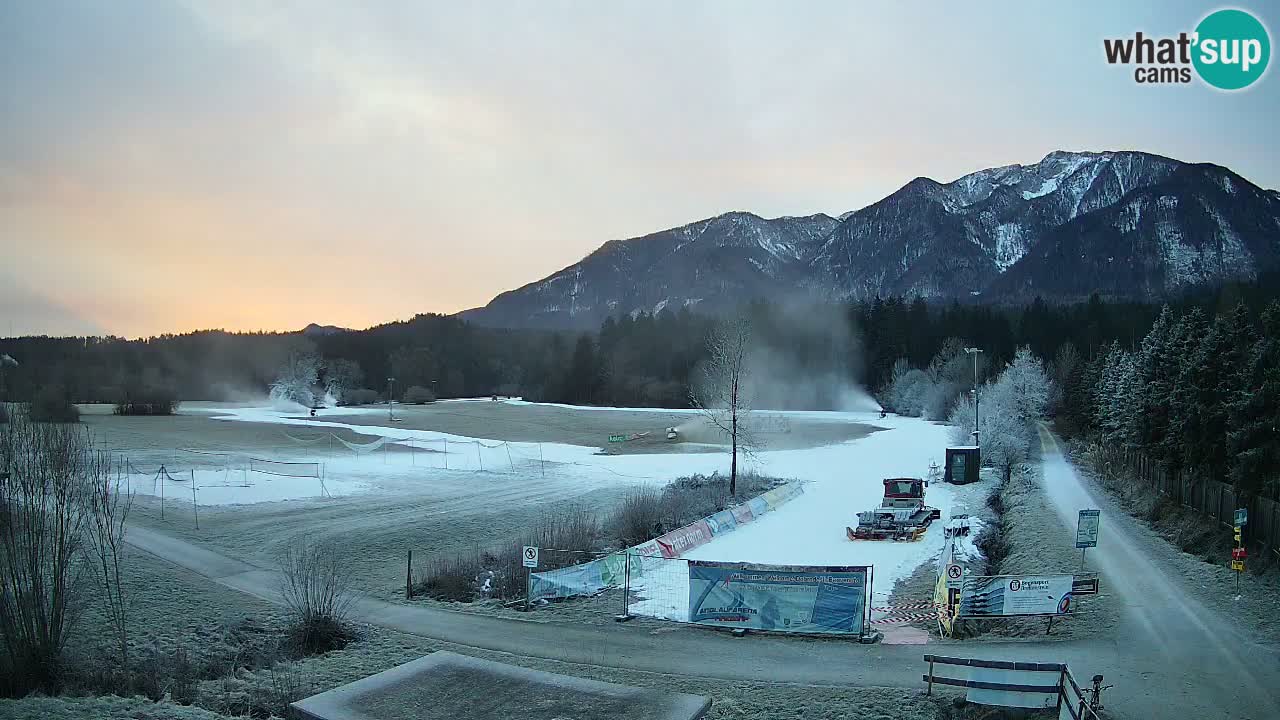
(499, 572)
(316, 583)
(637, 518)
(455, 578)
(50, 479)
(645, 514)
(4, 413)
(359, 396)
(146, 401)
(418, 395)
(50, 404)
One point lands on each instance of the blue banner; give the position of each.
(830, 600)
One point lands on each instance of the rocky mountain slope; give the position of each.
(1125, 224)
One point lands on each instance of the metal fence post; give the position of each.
(626, 586)
(408, 577)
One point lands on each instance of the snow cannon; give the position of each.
(902, 514)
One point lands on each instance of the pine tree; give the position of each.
(1215, 376)
(1154, 382)
(1254, 414)
(1189, 334)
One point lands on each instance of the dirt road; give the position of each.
(1177, 633)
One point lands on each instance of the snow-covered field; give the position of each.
(373, 462)
(841, 480)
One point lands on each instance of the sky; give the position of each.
(170, 166)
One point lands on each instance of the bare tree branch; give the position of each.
(723, 390)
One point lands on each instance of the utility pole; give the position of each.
(391, 383)
(975, 352)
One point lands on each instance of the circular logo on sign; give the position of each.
(1015, 585)
(953, 572)
(1232, 49)
(1065, 605)
(529, 553)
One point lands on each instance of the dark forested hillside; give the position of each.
(804, 354)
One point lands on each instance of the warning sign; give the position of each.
(1237, 565)
(954, 572)
(530, 556)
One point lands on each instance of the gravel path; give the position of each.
(1185, 634)
(1147, 685)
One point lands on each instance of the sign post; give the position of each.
(1087, 532)
(1238, 552)
(529, 558)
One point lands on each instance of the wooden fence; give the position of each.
(1215, 499)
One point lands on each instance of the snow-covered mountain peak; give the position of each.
(1127, 224)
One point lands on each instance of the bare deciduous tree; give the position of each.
(109, 505)
(722, 392)
(43, 499)
(61, 518)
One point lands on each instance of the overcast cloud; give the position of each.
(171, 166)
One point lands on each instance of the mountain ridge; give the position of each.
(1000, 233)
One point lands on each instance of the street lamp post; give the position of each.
(975, 352)
(391, 383)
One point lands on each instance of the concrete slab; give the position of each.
(449, 686)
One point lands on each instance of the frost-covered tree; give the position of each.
(907, 389)
(1064, 369)
(1156, 370)
(1115, 412)
(1028, 387)
(297, 380)
(961, 420)
(1213, 378)
(1011, 407)
(1254, 414)
(341, 376)
(1006, 437)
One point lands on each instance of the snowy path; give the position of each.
(1175, 632)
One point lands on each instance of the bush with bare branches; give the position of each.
(498, 572)
(318, 588)
(61, 519)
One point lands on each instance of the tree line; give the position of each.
(802, 353)
(1198, 393)
(1194, 384)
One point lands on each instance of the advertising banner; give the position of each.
(722, 522)
(1005, 595)
(567, 582)
(742, 514)
(798, 599)
(677, 542)
(650, 548)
